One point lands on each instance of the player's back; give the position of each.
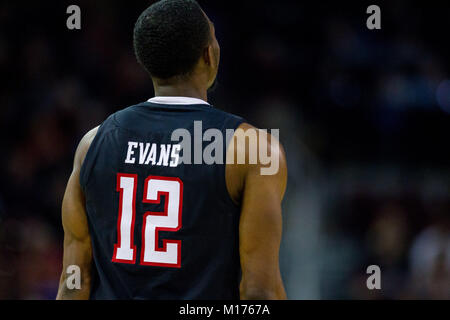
(160, 228)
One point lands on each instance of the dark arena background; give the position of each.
(364, 116)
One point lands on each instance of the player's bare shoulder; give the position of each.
(84, 145)
(253, 151)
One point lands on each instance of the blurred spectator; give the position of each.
(430, 261)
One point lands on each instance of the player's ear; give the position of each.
(208, 55)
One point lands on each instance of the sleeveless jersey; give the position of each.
(161, 228)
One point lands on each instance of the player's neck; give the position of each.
(181, 90)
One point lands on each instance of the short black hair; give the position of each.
(170, 36)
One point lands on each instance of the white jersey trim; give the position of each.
(177, 100)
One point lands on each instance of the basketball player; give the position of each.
(141, 225)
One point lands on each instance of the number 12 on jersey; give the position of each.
(168, 220)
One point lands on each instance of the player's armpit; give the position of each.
(260, 225)
(77, 241)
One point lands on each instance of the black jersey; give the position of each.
(160, 229)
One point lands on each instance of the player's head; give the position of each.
(174, 39)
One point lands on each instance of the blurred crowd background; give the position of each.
(364, 117)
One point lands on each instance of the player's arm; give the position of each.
(260, 227)
(77, 241)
